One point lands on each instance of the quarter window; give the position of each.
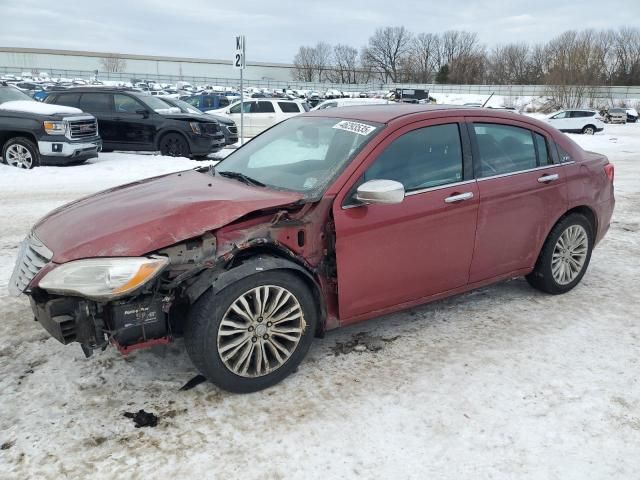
(503, 149)
(423, 158)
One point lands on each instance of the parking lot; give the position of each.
(501, 382)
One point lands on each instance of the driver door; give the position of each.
(389, 256)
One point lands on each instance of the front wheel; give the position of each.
(565, 256)
(253, 333)
(174, 145)
(21, 152)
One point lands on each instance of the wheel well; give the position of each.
(589, 125)
(586, 212)
(8, 135)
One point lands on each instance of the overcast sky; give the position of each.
(275, 30)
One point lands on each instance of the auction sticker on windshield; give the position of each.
(355, 127)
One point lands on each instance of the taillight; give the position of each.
(609, 171)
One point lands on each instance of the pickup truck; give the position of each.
(33, 133)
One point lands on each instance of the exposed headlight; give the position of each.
(195, 127)
(55, 128)
(102, 277)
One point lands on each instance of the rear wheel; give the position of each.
(589, 130)
(174, 145)
(21, 152)
(565, 256)
(252, 334)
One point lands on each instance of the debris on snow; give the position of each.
(142, 418)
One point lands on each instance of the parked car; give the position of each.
(33, 134)
(577, 121)
(350, 102)
(327, 219)
(207, 101)
(131, 120)
(632, 115)
(615, 115)
(228, 126)
(262, 114)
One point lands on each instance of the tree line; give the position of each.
(396, 55)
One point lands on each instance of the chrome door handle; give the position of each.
(548, 178)
(460, 197)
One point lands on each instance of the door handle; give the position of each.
(459, 197)
(548, 178)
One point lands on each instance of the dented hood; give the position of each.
(141, 217)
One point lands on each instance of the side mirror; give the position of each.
(143, 112)
(383, 192)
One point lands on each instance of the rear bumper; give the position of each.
(65, 152)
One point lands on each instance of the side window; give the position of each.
(95, 102)
(503, 149)
(209, 102)
(224, 102)
(289, 107)
(560, 115)
(246, 107)
(423, 158)
(264, 107)
(544, 156)
(68, 99)
(126, 104)
(195, 101)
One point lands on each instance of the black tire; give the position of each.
(541, 278)
(174, 145)
(23, 142)
(201, 331)
(589, 130)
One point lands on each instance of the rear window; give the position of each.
(289, 107)
(95, 102)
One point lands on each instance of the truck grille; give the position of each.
(32, 257)
(84, 128)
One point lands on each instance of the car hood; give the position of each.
(186, 116)
(142, 217)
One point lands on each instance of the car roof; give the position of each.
(98, 89)
(387, 113)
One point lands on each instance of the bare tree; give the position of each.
(113, 64)
(345, 66)
(424, 61)
(304, 64)
(386, 49)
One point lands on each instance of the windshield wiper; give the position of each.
(242, 177)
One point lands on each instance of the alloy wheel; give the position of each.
(569, 254)
(19, 156)
(260, 331)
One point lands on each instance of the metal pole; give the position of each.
(241, 107)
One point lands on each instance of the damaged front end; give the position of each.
(294, 238)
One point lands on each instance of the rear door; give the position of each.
(263, 116)
(522, 194)
(389, 255)
(234, 114)
(100, 105)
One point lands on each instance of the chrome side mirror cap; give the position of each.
(381, 192)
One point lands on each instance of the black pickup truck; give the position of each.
(33, 134)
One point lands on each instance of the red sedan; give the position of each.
(326, 219)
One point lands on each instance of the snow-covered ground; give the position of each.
(503, 383)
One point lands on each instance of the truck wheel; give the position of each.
(21, 152)
(565, 256)
(253, 333)
(174, 145)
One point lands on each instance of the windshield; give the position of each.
(183, 106)
(157, 104)
(302, 154)
(9, 94)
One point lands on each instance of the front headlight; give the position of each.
(195, 127)
(55, 128)
(102, 277)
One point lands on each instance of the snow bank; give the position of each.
(38, 108)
